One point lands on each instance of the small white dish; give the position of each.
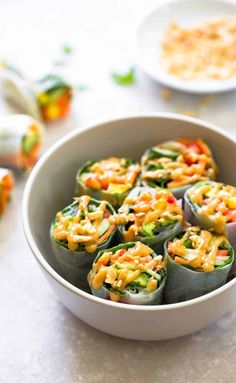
(51, 186)
(186, 13)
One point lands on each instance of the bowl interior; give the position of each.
(187, 13)
(51, 184)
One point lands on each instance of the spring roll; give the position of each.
(150, 216)
(20, 141)
(46, 99)
(177, 165)
(54, 96)
(212, 205)
(128, 273)
(198, 262)
(6, 186)
(77, 234)
(110, 179)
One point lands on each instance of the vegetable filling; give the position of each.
(200, 249)
(147, 213)
(177, 163)
(6, 185)
(31, 145)
(115, 175)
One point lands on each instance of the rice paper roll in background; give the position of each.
(6, 186)
(150, 216)
(77, 234)
(212, 205)
(128, 273)
(54, 95)
(47, 99)
(198, 262)
(110, 179)
(20, 141)
(177, 165)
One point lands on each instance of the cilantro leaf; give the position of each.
(124, 79)
(67, 49)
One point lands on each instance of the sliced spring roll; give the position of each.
(129, 273)
(198, 262)
(20, 141)
(110, 179)
(177, 165)
(6, 186)
(54, 96)
(77, 234)
(47, 99)
(212, 205)
(150, 216)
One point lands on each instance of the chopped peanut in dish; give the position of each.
(204, 52)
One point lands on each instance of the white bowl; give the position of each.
(50, 187)
(187, 13)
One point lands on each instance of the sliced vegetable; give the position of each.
(6, 186)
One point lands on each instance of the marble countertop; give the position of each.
(40, 341)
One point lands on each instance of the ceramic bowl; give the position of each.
(186, 13)
(50, 187)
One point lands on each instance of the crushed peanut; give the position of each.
(206, 51)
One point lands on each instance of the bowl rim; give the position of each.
(39, 256)
(173, 82)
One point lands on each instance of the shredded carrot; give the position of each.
(106, 234)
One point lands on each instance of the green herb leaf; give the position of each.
(67, 49)
(124, 79)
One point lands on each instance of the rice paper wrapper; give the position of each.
(153, 298)
(184, 284)
(12, 130)
(197, 219)
(179, 192)
(20, 93)
(75, 265)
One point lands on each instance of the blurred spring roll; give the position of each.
(77, 234)
(129, 273)
(20, 141)
(54, 96)
(150, 216)
(6, 186)
(110, 179)
(198, 262)
(177, 165)
(47, 99)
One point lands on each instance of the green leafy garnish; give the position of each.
(188, 243)
(67, 49)
(124, 78)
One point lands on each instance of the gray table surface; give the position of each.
(40, 341)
